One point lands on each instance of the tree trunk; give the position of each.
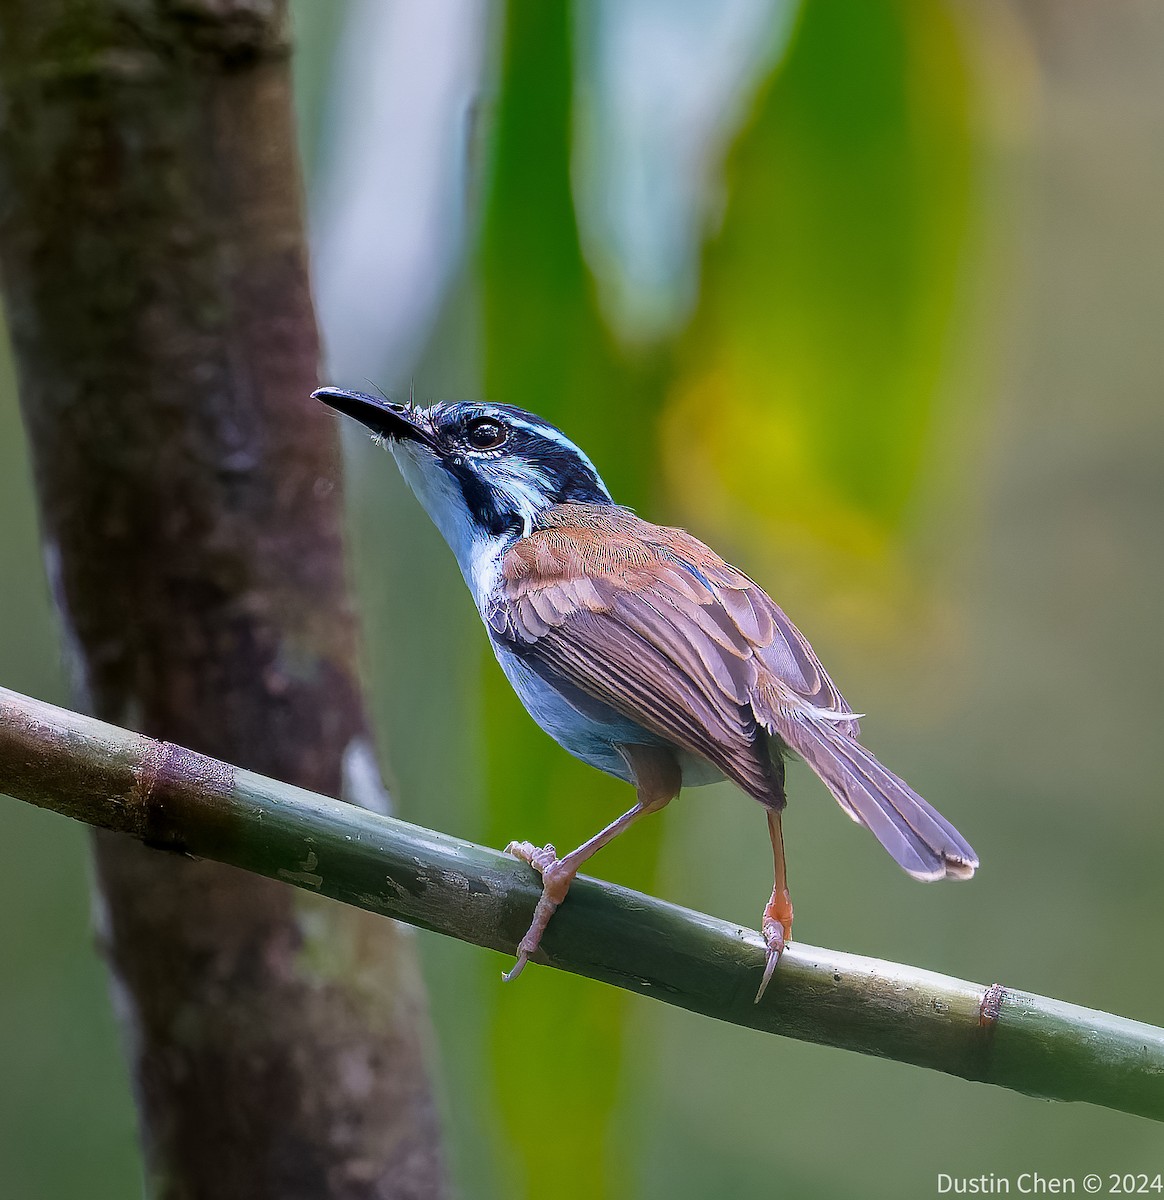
(155, 280)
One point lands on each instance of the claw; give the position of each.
(769, 966)
(517, 968)
(773, 933)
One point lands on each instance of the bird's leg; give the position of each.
(657, 777)
(776, 925)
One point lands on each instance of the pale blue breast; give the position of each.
(587, 728)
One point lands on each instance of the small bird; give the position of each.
(636, 647)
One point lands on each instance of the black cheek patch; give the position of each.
(579, 486)
(481, 500)
(570, 480)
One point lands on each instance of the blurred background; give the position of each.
(867, 294)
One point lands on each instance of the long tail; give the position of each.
(920, 839)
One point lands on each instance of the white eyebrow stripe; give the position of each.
(553, 434)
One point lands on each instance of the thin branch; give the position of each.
(177, 800)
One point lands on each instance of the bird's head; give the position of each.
(483, 472)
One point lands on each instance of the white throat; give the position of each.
(478, 553)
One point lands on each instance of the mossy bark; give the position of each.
(155, 282)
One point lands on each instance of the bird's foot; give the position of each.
(541, 858)
(776, 930)
(556, 879)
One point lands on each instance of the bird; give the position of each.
(636, 647)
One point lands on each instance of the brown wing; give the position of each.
(653, 623)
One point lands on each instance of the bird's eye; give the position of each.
(486, 434)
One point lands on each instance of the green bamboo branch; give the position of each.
(176, 800)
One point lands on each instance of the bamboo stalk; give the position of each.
(176, 800)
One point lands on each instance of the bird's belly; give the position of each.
(589, 729)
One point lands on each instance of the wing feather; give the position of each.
(684, 643)
(738, 605)
(651, 622)
(624, 676)
(711, 618)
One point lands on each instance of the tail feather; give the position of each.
(918, 837)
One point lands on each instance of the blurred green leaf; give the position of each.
(546, 347)
(801, 415)
(557, 1044)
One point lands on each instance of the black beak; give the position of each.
(382, 417)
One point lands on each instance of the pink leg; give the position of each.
(776, 924)
(657, 777)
